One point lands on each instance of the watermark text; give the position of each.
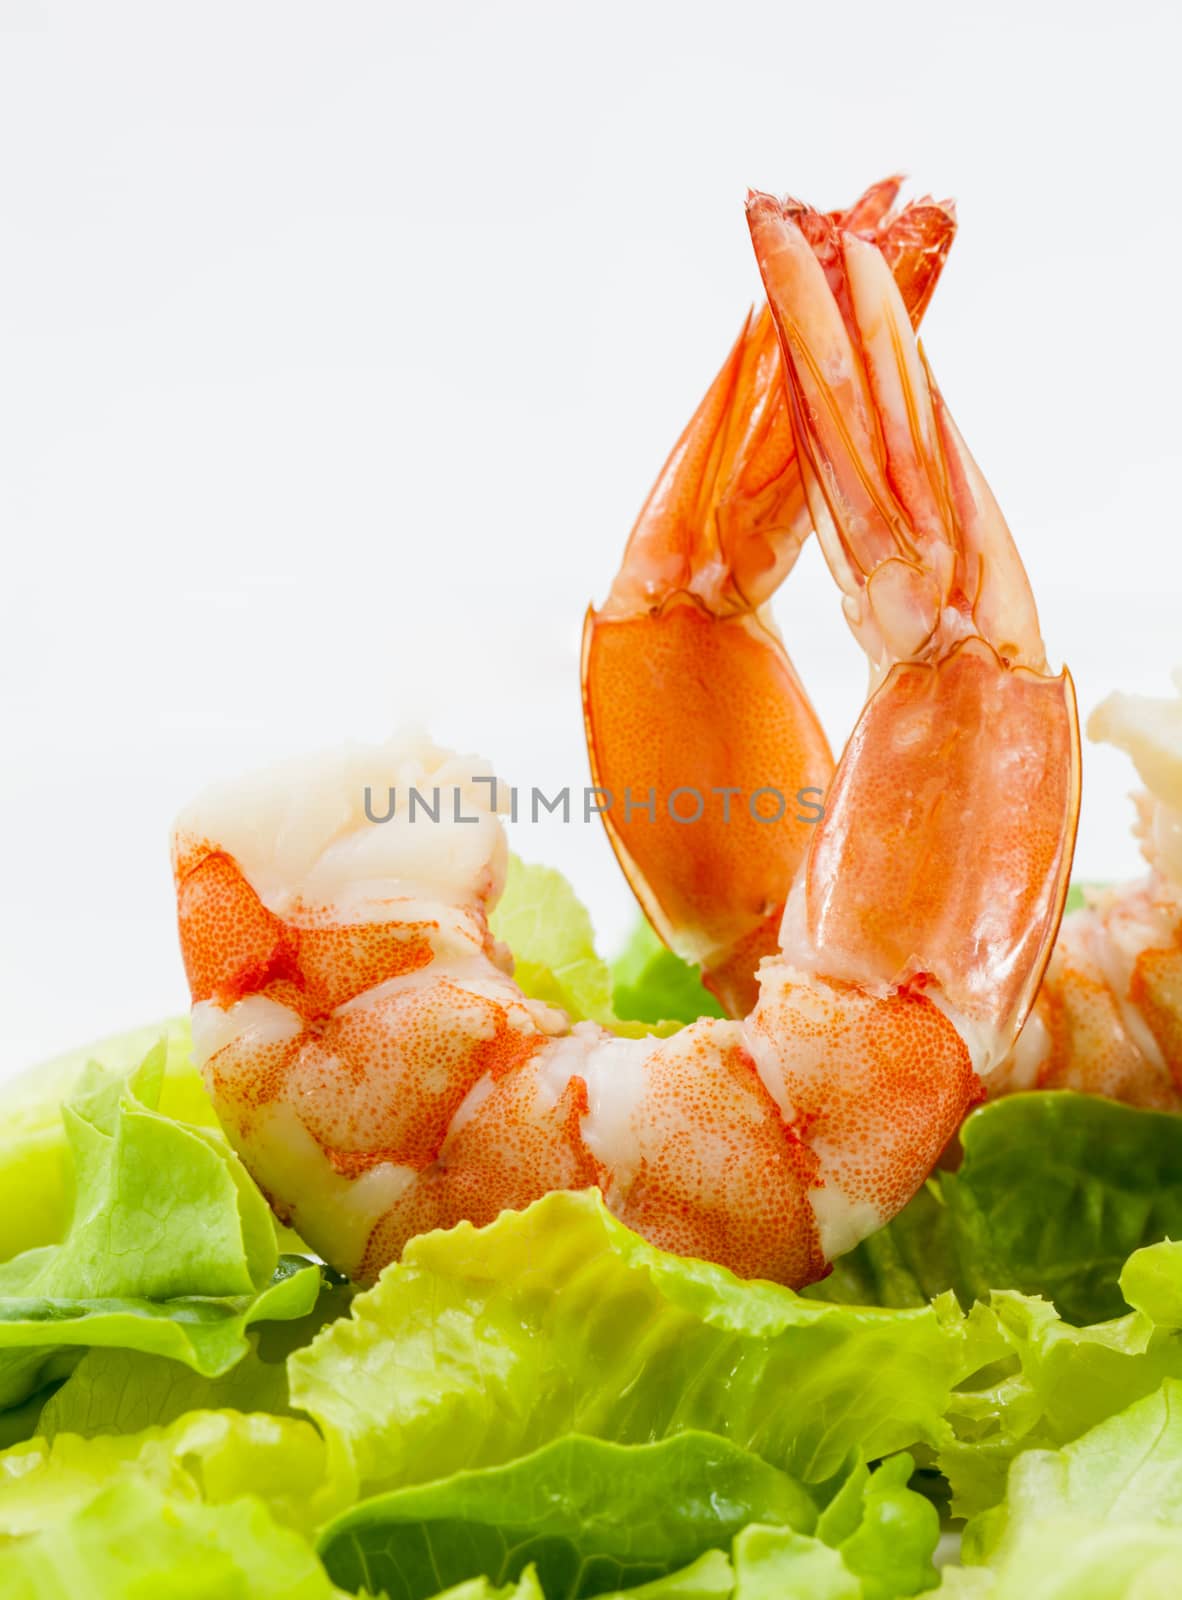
(685, 805)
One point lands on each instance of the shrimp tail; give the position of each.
(1108, 1018)
(686, 681)
(943, 859)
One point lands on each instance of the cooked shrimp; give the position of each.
(1108, 1019)
(360, 1031)
(686, 683)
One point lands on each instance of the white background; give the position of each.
(340, 343)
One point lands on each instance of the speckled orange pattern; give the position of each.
(1110, 1026)
(377, 1076)
(1090, 1048)
(382, 1082)
(722, 1175)
(378, 1083)
(515, 1148)
(1156, 990)
(881, 1082)
(230, 943)
(749, 726)
(233, 946)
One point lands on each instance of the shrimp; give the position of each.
(1108, 1019)
(359, 1029)
(687, 686)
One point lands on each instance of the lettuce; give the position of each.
(1055, 1382)
(592, 1517)
(36, 1171)
(1077, 895)
(171, 1248)
(548, 929)
(133, 1539)
(885, 1532)
(1054, 1192)
(767, 1563)
(526, 1588)
(916, 1257)
(482, 1344)
(711, 1577)
(779, 1564)
(38, 1336)
(650, 983)
(22, 1420)
(215, 1456)
(161, 1207)
(1099, 1519)
(113, 1390)
(549, 1406)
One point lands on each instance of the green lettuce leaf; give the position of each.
(885, 1532)
(1099, 1519)
(1055, 1381)
(113, 1390)
(215, 1456)
(711, 1577)
(20, 1421)
(874, 1542)
(38, 1336)
(1077, 895)
(768, 1563)
(916, 1257)
(1054, 1192)
(171, 1248)
(650, 983)
(134, 1540)
(592, 1518)
(36, 1169)
(589, 1515)
(780, 1564)
(483, 1344)
(527, 1587)
(549, 931)
(161, 1207)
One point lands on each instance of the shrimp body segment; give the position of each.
(1108, 1018)
(381, 1073)
(686, 682)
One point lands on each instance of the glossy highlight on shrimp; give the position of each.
(1108, 1018)
(359, 1029)
(686, 680)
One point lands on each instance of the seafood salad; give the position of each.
(820, 1245)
